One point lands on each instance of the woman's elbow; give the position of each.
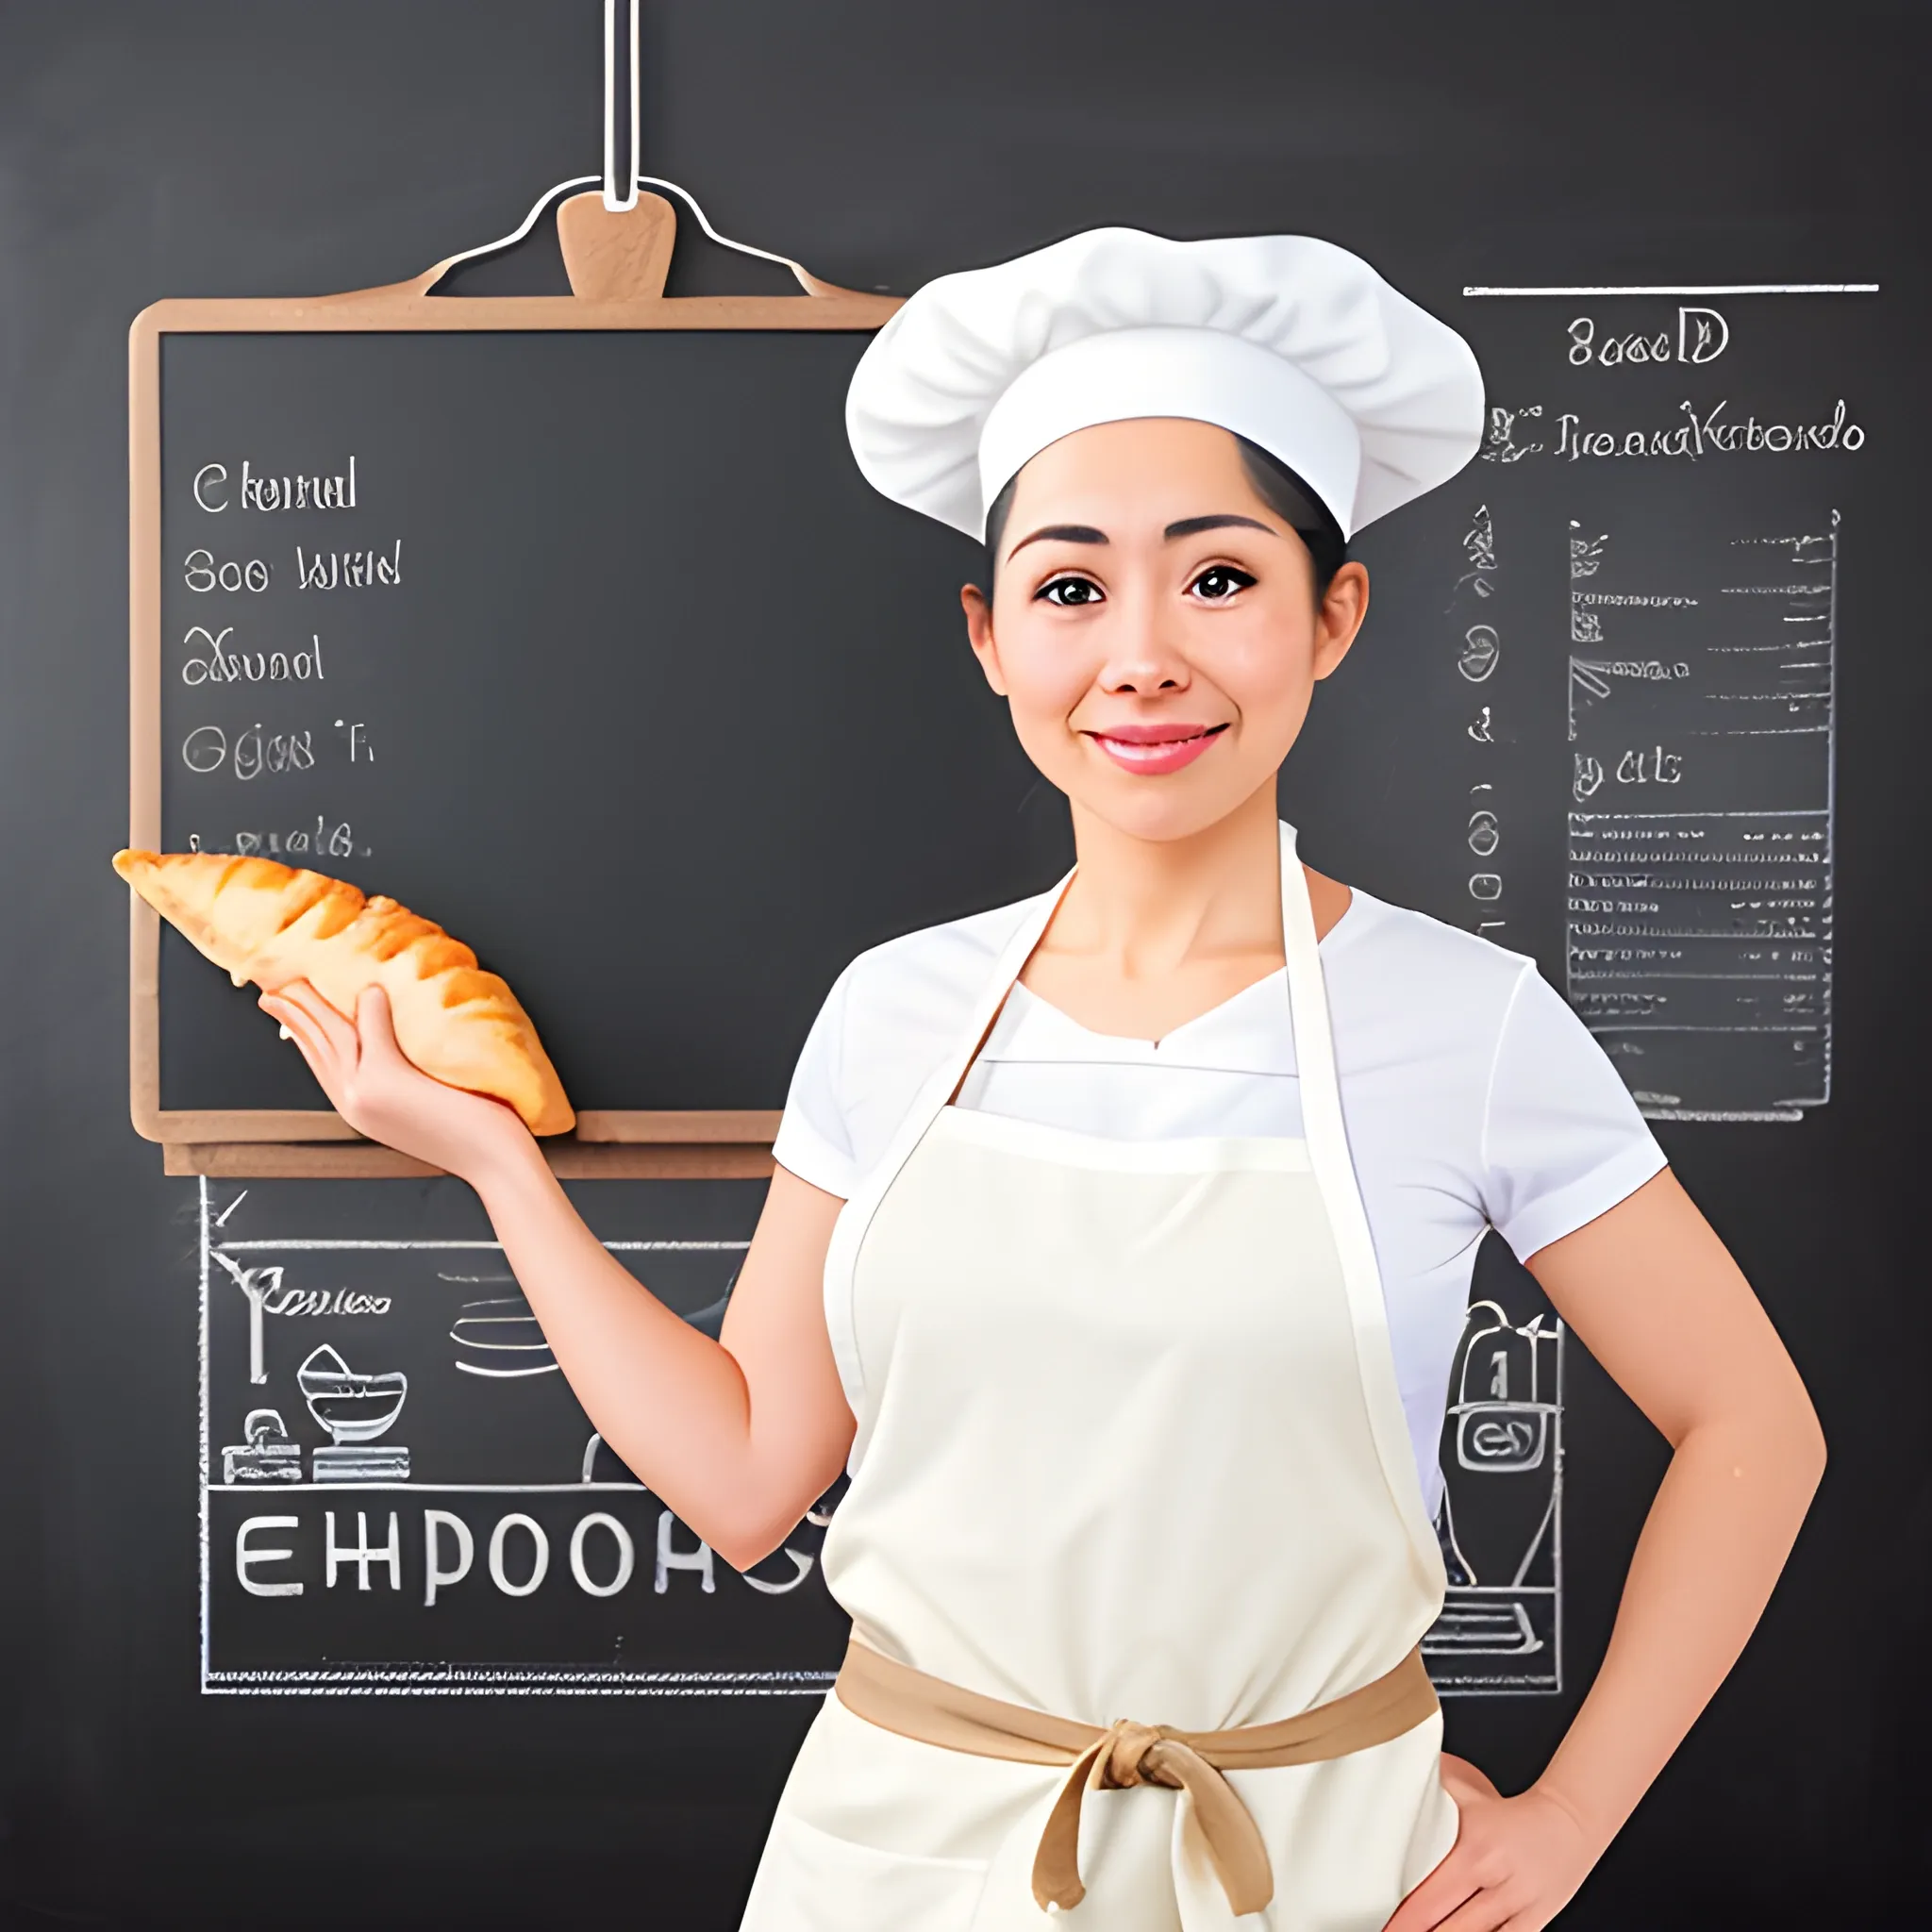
(1807, 1442)
(749, 1540)
(757, 1517)
(1801, 1434)
(1782, 1437)
(1764, 1431)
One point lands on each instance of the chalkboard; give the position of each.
(595, 646)
(1610, 702)
(401, 1496)
(589, 644)
(187, 1752)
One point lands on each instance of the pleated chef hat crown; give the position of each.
(1294, 343)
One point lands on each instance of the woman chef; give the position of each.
(1121, 1239)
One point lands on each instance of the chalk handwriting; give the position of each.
(202, 573)
(1653, 765)
(1712, 432)
(320, 1301)
(348, 570)
(207, 749)
(213, 491)
(322, 840)
(248, 1555)
(1479, 546)
(1499, 440)
(1479, 539)
(1702, 336)
(215, 665)
(362, 1552)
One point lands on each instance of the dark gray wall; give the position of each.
(193, 148)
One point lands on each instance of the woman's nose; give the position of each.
(1144, 655)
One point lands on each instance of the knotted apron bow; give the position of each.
(897, 1698)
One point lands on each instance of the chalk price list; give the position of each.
(1694, 613)
(239, 644)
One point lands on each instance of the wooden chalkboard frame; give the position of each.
(617, 264)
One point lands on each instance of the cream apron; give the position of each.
(1129, 1446)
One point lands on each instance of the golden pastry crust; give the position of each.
(270, 923)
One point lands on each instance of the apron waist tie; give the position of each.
(898, 1698)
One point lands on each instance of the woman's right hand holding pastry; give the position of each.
(379, 1092)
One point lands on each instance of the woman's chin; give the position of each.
(1157, 809)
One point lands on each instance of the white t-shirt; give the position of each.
(1474, 1097)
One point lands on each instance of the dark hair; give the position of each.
(1273, 482)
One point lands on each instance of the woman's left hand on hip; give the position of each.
(1515, 1864)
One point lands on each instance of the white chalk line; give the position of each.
(1691, 289)
(492, 1247)
(272, 1489)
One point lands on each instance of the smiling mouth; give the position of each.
(1156, 748)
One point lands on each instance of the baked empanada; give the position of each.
(270, 923)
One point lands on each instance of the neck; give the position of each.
(1149, 907)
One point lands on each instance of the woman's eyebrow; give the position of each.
(1061, 533)
(1193, 526)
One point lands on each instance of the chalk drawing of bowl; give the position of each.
(504, 1337)
(352, 1408)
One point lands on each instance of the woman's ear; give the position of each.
(1338, 623)
(979, 609)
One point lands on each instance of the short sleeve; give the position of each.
(813, 1139)
(1563, 1140)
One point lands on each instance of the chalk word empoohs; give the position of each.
(602, 1556)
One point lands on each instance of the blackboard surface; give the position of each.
(646, 693)
(201, 149)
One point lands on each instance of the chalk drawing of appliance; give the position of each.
(355, 1410)
(266, 1454)
(1500, 1521)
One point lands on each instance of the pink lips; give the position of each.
(1153, 749)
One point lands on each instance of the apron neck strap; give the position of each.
(999, 984)
(1307, 1000)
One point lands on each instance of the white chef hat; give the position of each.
(1294, 343)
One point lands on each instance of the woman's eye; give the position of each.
(1219, 581)
(1070, 591)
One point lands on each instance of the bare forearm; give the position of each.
(1715, 1541)
(668, 1399)
(676, 1406)
(1715, 1538)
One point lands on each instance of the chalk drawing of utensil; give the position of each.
(355, 1410)
(501, 1339)
(257, 1284)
